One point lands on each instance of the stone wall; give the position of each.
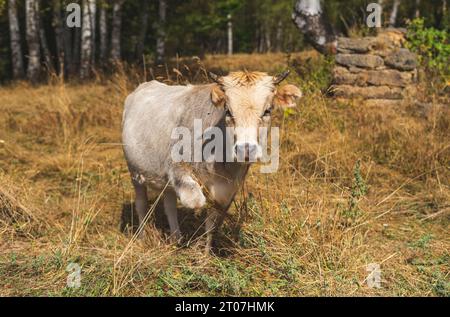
(379, 68)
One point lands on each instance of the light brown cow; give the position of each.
(242, 100)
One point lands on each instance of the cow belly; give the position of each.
(221, 194)
(147, 149)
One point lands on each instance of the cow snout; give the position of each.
(246, 152)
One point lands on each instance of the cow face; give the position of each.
(248, 99)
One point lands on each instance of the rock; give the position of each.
(410, 91)
(387, 39)
(344, 51)
(342, 76)
(389, 77)
(402, 59)
(375, 68)
(355, 70)
(383, 102)
(395, 37)
(370, 92)
(357, 45)
(383, 46)
(393, 30)
(360, 60)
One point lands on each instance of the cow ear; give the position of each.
(218, 96)
(287, 96)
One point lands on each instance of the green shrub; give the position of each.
(432, 47)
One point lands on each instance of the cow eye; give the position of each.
(268, 112)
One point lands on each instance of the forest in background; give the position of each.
(151, 31)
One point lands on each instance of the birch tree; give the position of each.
(279, 37)
(115, 30)
(161, 32)
(43, 40)
(59, 36)
(394, 13)
(309, 19)
(103, 31)
(68, 46)
(143, 29)
(87, 38)
(417, 13)
(230, 35)
(16, 49)
(76, 47)
(32, 33)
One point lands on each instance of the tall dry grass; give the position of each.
(357, 184)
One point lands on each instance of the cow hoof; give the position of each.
(192, 198)
(176, 238)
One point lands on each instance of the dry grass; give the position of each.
(309, 229)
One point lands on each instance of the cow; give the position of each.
(242, 101)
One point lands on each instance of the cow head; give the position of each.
(248, 99)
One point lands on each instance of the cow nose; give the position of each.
(246, 152)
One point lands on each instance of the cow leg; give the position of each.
(187, 189)
(213, 222)
(170, 209)
(141, 201)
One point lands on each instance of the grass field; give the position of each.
(357, 185)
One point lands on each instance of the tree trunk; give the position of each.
(143, 30)
(443, 18)
(417, 13)
(267, 40)
(43, 41)
(161, 39)
(289, 46)
(116, 29)
(260, 35)
(381, 4)
(92, 15)
(59, 36)
(76, 49)
(45, 50)
(394, 13)
(279, 37)
(16, 49)
(309, 19)
(87, 38)
(230, 35)
(103, 32)
(69, 64)
(32, 31)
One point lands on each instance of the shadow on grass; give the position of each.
(191, 226)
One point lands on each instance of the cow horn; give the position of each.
(279, 78)
(215, 78)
